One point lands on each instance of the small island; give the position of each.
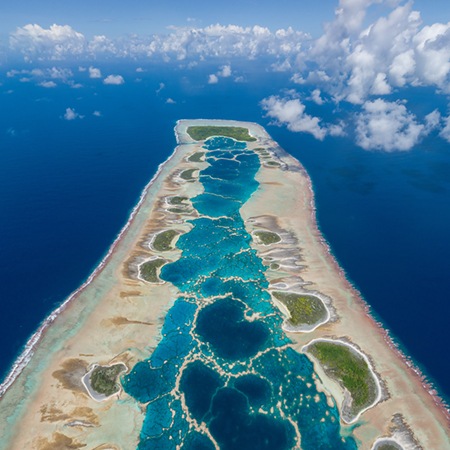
(101, 382)
(267, 237)
(306, 311)
(162, 242)
(149, 270)
(351, 369)
(200, 133)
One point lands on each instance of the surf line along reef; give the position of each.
(221, 321)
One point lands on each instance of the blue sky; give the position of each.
(362, 53)
(117, 17)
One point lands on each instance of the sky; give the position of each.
(116, 17)
(360, 53)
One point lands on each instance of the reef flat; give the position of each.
(219, 320)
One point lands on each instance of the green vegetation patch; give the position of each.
(149, 270)
(267, 237)
(200, 133)
(196, 157)
(188, 174)
(178, 210)
(348, 368)
(177, 200)
(103, 379)
(389, 446)
(272, 164)
(274, 266)
(162, 241)
(304, 309)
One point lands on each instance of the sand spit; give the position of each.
(116, 318)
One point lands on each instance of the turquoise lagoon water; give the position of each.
(223, 354)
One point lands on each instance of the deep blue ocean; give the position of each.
(67, 188)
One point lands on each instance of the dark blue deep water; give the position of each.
(67, 187)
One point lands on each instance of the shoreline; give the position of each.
(415, 370)
(119, 317)
(419, 393)
(28, 350)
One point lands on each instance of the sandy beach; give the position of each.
(116, 318)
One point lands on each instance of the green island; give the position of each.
(163, 241)
(103, 379)
(178, 210)
(304, 309)
(149, 269)
(267, 237)
(343, 364)
(200, 133)
(387, 446)
(196, 157)
(188, 174)
(177, 200)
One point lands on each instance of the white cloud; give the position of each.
(225, 71)
(160, 88)
(388, 126)
(170, 101)
(392, 52)
(97, 114)
(432, 120)
(94, 72)
(291, 112)
(114, 79)
(54, 43)
(281, 66)
(316, 97)
(47, 84)
(445, 132)
(213, 79)
(216, 41)
(71, 114)
(140, 70)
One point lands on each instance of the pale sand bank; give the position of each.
(118, 317)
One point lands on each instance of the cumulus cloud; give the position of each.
(225, 71)
(445, 132)
(392, 52)
(213, 79)
(170, 101)
(388, 126)
(291, 113)
(60, 42)
(316, 97)
(53, 43)
(94, 72)
(47, 84)
(71, 114)
(97, 114)
(114, 80)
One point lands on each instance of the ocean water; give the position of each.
(229, 369)
(67, 187)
